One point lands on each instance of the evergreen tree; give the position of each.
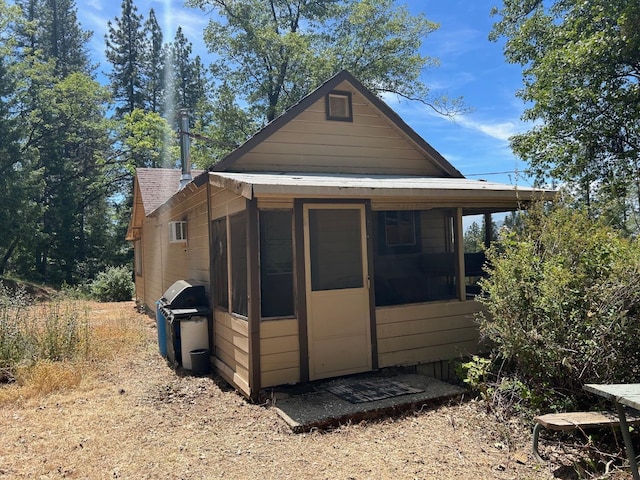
(187, 80)
(124, 50)
(56, 176)
(51, 31)
(153, 65)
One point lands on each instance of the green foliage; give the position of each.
(274, 53)
(475, 373)
(146, 140)
(113, 285)
(581, 64)
(563, 304)
(29, 333)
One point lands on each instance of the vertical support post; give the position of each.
(301, 288)
(212, 292)
(459, 250)
(488, 230)
(253, 279)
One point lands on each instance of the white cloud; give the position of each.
(500, 130)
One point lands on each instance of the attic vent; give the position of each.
(339, 106)
(177, 232)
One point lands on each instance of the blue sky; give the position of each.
(470, 66)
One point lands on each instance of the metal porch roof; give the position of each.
(308, 185)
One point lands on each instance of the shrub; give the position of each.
(113, 285)
(563, 304)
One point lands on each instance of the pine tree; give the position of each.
(188, 80)
(124, 50)
(153, 65)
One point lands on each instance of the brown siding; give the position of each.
(279, 352)
(426, 332)
(310, 143)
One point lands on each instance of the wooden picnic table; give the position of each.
(621, 394)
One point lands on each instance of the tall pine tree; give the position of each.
(124, 50)
(153, 65)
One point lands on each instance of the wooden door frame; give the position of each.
(301, 284)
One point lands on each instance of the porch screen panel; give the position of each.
(239, 288)
(220, 270)
(414, 259)
(336, 249)
(276, 263)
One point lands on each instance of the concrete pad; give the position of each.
(309, 406)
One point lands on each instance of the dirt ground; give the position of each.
(134, 418)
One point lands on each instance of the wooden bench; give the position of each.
(577, 420)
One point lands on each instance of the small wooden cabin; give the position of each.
(330, 243)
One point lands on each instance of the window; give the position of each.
(339, 107)
(276, 263)
(137, 254)
(399, 232)
(239, 289)
(177, 232)
(220, 269)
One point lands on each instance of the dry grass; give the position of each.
(132, 417)
(110, 332)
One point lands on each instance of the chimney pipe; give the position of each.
(185, 144)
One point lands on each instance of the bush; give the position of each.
(563, 305)
(113, 285)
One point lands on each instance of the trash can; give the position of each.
(194, 335)
(186, 314)
(200, 361)
(161, 326)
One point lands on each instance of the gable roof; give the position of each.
(157, 185)
(152, 188)
(227, 164)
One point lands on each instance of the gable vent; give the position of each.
(339, 106)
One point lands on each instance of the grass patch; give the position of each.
(51, 346)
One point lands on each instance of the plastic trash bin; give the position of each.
(200, 361)
(161, 326)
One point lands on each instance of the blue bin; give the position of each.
(161, 325)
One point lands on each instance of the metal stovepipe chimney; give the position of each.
(185, 145)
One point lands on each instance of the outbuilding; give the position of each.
(330, 243)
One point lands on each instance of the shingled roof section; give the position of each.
(157, 185)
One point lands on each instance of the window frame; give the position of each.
(178, 231)
(385, 248)
(349, 102)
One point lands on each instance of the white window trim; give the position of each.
(178, 232)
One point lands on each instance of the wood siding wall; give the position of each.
(279, 352)
(231, 349)
(370, 144)
(164, 263)
(230, 334)
(426, 332)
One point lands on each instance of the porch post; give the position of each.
(488, 230)
(253, 274)
(301, 288)
(459, 246)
